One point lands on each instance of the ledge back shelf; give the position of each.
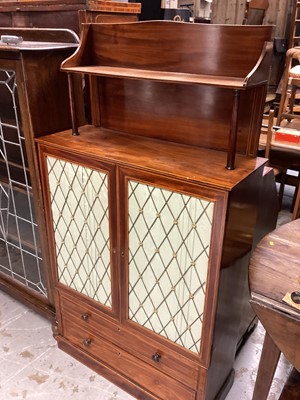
(198, 85)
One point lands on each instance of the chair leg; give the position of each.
(292, 100)
(297, 203)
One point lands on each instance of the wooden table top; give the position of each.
(275, 265)
(279, 144)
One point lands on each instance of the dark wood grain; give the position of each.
(184, 162)
(291, 390)
(88, 16)
(275, 265)
(275, 271)
(112, 46)
(189, 85)
(153, 381)
(183, 367)
(41, 34)
(41, 14)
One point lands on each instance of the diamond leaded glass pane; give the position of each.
(79, 202)
(169, 240)
(20, 252)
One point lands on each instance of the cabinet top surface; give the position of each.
(188, 163)
(36, 46)
(24, 39)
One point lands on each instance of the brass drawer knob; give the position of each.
(87, 342)
(156, 357)
(85, 316)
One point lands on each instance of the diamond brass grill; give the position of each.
(169, 239)
(79, 201)
(20, 254)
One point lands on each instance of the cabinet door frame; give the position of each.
(219, 198)
(109, 169)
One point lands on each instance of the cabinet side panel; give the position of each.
(234, 315)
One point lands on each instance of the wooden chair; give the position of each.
(296, 204)
(290, 84)
(279, 171)
(256, 12)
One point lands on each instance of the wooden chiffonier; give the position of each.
(30, 105)
(151, 221)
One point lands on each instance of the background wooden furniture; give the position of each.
(283, 157)
(41, 14)
(233, 12)
(66, 14)
(295, 31)
(31, 105)
(266, 142)
(257, 11)
(274, 272)
(290, 85)
(109, 11)
(149, 232)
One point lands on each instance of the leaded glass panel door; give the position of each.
(81, 217)
(20, 251)
(169, 235)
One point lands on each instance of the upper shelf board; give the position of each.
(230, 56)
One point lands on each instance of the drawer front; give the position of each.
(147, 377)
(149, 351)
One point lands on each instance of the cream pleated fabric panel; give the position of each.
(79, 201)
(169, 240)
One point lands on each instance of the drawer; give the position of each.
(132, 368)
(150, 351)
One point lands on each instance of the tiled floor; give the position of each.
(33, 368)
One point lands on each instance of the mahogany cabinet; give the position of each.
(150, 234)
(30, 105)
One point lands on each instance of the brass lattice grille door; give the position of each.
(169, 242)
(79, 203)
